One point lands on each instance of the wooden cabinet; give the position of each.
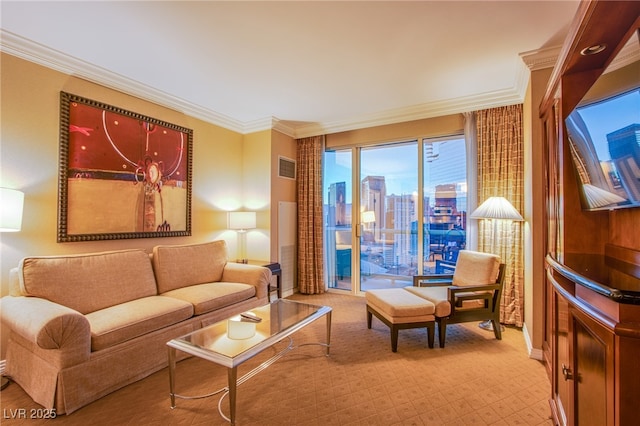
(591, 340)
(595, 347)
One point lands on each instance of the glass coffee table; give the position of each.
(278, 320)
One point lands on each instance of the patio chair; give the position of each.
(454, 241)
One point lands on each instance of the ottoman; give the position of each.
(399, 309)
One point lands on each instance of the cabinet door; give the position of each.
(592, 363)
(562, 380)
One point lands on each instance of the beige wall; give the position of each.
(256, 184)
(29, 141)
(282, 189)
(534, 212)
(263, 189)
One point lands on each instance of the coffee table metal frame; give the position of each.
(231, 362)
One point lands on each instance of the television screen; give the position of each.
(604, 139)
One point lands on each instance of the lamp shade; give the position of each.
(11, 202)
(597, 197)
(496, 208)
(242, 221)
(368, 216)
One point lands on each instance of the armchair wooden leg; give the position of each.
(442, 331)
(369, 315)
(497, 329)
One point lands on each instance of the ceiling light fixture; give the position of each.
(593, 50)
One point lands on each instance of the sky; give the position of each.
(399, 165)
(608, 116)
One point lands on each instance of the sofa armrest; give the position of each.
(257, 276)
(46, 324)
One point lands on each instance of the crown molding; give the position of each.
(498, 98)
(547, 58)
(270, 123)
(50, 58)
(37, 53)
(523, 75)
(541, 58)
(420, 112)
(257, 125)
(282, 127)
(629, 54)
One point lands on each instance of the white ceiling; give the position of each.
(307, 67)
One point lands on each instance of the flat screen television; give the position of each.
(604, 135)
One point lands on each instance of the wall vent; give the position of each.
(287, 258)
(286, 167)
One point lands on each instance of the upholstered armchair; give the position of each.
(471, 293)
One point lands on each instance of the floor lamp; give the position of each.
(495, 209)
(11, 203)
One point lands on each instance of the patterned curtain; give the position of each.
(500, 173)
(310, 244)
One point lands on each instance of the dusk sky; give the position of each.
(608, 116)
(399, 165)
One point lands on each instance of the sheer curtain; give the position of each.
(501, 173)
(310, 217)
(471, 144)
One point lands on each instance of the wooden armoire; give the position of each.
(591, 341)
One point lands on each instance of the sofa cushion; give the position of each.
(88, 282)
(476, 268)
(129, 320)
(438, 295)
(211, 296)
(178, 266)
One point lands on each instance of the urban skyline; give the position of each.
(445, 163)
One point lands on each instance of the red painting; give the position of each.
(122, 174)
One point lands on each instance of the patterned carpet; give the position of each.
(475, 380)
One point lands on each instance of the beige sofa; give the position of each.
(85, 325)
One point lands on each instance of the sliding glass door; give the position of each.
(445, 203)
(338, 232)
(379, 232)
(388, 208)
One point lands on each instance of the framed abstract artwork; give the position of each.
(121, 174)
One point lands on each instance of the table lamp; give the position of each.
(11, 202)
(241, 222)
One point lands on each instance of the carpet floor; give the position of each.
(474, 380)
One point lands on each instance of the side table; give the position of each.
(275, 269)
